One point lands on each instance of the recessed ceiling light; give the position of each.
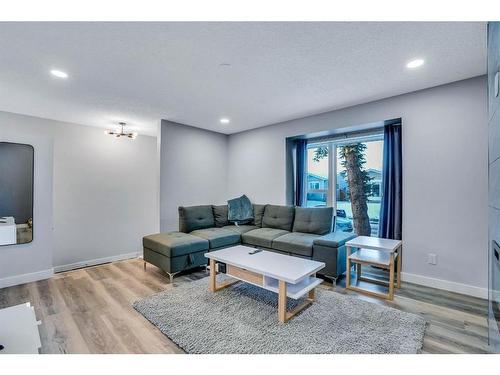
(59, 73)
(224, 120)
(415, 63)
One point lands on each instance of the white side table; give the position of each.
(378, 252)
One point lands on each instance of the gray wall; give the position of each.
(105, 194)
(16, 185)
(193, 170)
(31, 261)
(494, 167)
(104, 191)
(445, 175)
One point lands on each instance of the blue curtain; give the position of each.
(300, 191)
(391, 210)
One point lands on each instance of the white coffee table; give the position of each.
(378, 252)
(283, 274)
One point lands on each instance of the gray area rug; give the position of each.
(244, 319)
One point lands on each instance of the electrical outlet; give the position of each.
(432, 259)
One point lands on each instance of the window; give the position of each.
(329, 183)
(318, 175)
(314, 185)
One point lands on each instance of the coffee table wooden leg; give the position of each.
(282, 302)
(400, 260)
(212, 285)
(348, 268)
(391, 278)
(213, 274)
(312, 295)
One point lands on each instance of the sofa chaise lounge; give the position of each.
(296, 231)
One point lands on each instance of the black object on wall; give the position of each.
(16, 181)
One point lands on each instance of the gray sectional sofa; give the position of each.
(296, 231)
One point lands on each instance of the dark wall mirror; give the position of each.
(16, 193)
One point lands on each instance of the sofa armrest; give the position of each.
(331, 250)
(334, 239)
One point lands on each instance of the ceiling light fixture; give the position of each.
(224, 120)
(59, 73)
(415, 63)
(121, 133)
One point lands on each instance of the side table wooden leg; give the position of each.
(391, 278)
(282, 302)
(213, 274)
(400, 261)
(348, 268)
(358, 270)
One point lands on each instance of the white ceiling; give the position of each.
(142, 72)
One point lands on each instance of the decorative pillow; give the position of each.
(240, 210)
(258, 213)
(195, 217)
(220, 215)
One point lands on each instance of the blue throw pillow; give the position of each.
(240, 210)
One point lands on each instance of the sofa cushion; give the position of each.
(218, 237)
(334, 239)
(220, 215)
(278, 217)
(172, 244)
(295, 243)
(258, 213)
(316, 220)
(241, 228)
(195, 217)
(262, 236)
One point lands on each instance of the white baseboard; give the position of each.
(95, 262)
(408, 277)
(26, 278)
(449, 286)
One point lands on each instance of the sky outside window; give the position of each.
(373, 158)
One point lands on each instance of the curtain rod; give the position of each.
(340, 133)
(347, 135)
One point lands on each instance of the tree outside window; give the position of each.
(352, 159)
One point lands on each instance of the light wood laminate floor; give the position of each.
(90, 311)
